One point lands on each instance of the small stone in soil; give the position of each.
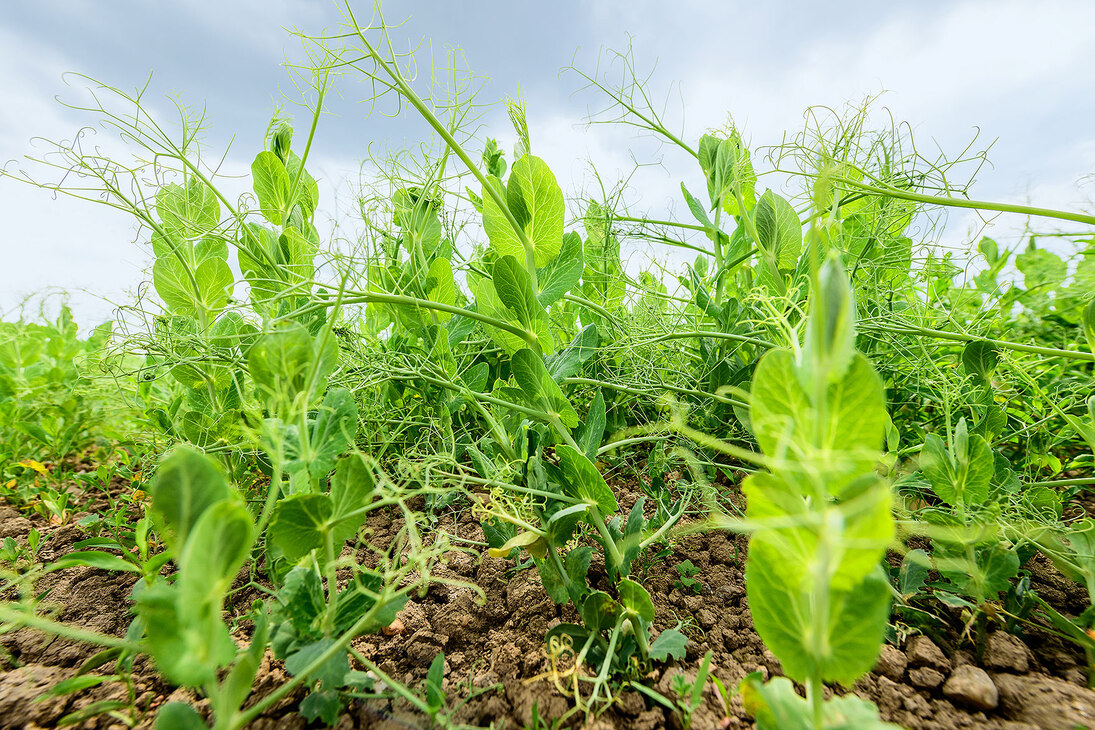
(1004, 652)
(971, 686)
(891, 663)
(925, 677)
(923, 652)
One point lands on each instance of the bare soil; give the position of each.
(497, 645)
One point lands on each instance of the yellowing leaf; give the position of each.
(35, 465)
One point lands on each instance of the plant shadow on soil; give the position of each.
(499, 644)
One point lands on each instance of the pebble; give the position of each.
(891, 663)
(1006, 653)
(971, 686)
(925, 677)
(922, 652)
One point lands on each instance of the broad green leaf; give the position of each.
(779, 229)
(670, 643)
(830, 329)
(93, 559)
(563, 273)
(285, 362)
(592, 429)
(435, 695)
(849, 439)
(584, 481)
(857, 531)
(237, 685)
(784, 617)
(333, 430)
(776, 706)
(300, 524)
(301, 598)
(322, 705)
(733, 171)
(440, 286)
(190, 212)
(1040, 268)
(509, 296)
(352, 488)
(216, 549)
(179, 716)
(536, 201)
(963, 475)
(698, 211)
(539, 389)
(307, 188)
(201, 290)
(332, 673)
(187, 483)
(598, 611)
(636, 599)
(980, 358)
(568, 361)
(272, 186)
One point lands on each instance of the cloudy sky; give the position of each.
(1020, 76)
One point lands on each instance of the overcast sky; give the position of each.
(1021, 76)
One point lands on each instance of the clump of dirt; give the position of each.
(497, 668)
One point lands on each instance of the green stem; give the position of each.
(893, 192)
(420, 106)
(904, 329)
(56, 628)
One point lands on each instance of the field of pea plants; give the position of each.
(471, 469)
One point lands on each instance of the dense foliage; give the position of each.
(483, 341)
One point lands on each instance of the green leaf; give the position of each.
(980, 358)
(636, 599)
(187, 483)
(536, 201)
(784, 419)
(287, 361)
(435, 695)
(179, 716)
(190, 212)
(598, 612)
(1040, 268)
(783, 616)
(697, 209)
(94, 559)
(733, 171)
(591, 432)
(1089, 324)
(569, 361)
(237, 685)
(301, 598)
(440, 286)
(332, 673)
(778, 229)
(300, 524)
(540, 389)
(216, 549)
(776, 706)
(563, 273)
(206, 293)
(961, 476)
(508, 296)
(670, 643)
(322, 705)
(272, 186)
(333, 430)
(351, 490)
(584, 481)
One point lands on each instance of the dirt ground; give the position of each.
(495, 651)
